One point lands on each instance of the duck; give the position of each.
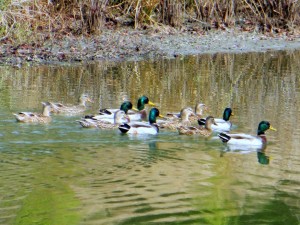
(120, 117)
(142, 127)
(110, 114)
(223, 125)
(31, 117)
(185, 114)
(198, 113)
(205, 131)
(139, 113)
(242, 139)
(71, 109)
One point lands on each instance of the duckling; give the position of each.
(71, 109)
(142, 127)
(185, 113)
(203, 131)
(119, 118)
(30, 117)
(223, 125)
(247, 139)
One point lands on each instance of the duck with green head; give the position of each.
(109, 114)
(246, 139)
(142, 127)
(142, 113)
(138, 113)
(223, 125)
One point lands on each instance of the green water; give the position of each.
(62, 174)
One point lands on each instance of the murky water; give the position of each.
(62, 174)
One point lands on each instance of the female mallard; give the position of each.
(120, 117)
(247, 139)
(71, 109)
(198, 114)
(223, 125)
(203, 131)
(185, 113)
(142, 127)
(29, 117)
(140, 115)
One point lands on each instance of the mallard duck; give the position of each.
(71, 109)
(139, 113)
(247, 139)
(203, 131)
(30, 117)
(223, 125)
(199, 110)
(142, 127)
(119, 118)
(185, 113)
(125, 106)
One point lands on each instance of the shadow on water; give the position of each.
(60, 173)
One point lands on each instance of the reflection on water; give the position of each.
(63, 174)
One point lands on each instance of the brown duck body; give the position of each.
(71, 109)
(29, 117)
(198, 113)
(183, 120)
(203, 131)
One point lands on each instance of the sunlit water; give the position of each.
(63, 174)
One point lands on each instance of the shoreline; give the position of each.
(127, 44)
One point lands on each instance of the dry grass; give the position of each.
(26, 20)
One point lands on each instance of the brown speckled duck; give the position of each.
(185, 114)
(71, 109)
(200, 108)
(31, 117)
(203, 131)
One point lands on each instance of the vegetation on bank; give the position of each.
(30, 20)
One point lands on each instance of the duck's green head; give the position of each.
(142, 101)
(227, 113)
(264, 126)
(126, 106)
(154, 112)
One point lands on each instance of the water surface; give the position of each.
(62, 174)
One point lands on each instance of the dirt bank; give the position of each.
(130, 44)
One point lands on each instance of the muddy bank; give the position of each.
(129, 44)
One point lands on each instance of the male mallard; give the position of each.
(30, 117)
(185, 113)
(199, 110)
(140, 115)
(223, 125)
(142, 127)
(119, 118)
(247, 139)
(71, 109)
(203, 131)
(110, 113)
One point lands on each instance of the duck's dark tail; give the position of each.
(124, 128)
(224, 137)
(201, 122)
(104, 112)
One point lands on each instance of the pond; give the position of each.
(60, 173)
